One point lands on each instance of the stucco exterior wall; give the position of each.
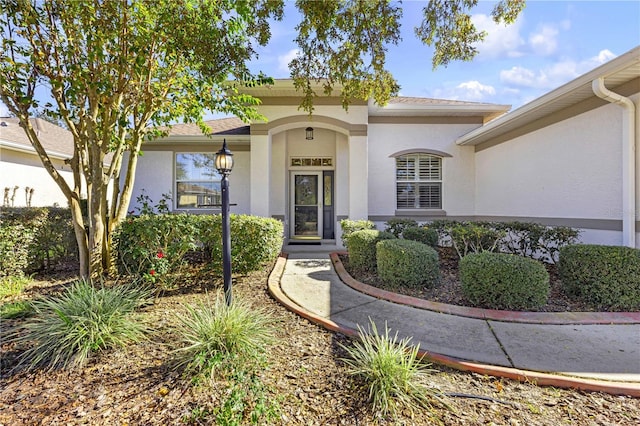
(571, 170)
(25, 170)
(458, 170)
(357, 114)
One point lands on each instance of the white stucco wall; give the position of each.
(458, 170)
(25, 170)
(569, 170)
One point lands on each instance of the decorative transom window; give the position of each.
(197, 181)
(419, 181)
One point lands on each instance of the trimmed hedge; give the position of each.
(607, 277)
(422, 235)
(350, 226)
(408, 263)
(504, 281)
(362, 248)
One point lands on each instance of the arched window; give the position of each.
(419, 181)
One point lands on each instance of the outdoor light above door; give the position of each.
(309, 131)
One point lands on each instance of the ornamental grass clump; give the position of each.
(66, 330)
(391, 371)
(216, 336)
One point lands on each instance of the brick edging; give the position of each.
(557, 318)
(535, 377)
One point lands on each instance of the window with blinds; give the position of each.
(419, 182)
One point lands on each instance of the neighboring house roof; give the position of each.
(621, 74)
(58, 142)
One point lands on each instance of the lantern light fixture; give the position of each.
(309, 132)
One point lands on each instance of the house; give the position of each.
(568, 158)
(23, 179)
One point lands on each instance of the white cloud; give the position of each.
(283, 60)
(471, 90)
(553, 75)
(501, 40)
(544, 42)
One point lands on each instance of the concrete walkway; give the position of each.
(590, 356)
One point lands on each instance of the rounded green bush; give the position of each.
(406, 262)
(607, 277)
(504, 281)
(422, 235)
(362, 248)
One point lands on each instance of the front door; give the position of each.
(306, 203)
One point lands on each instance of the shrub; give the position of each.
(423, 235)
(504, 281)
(18, 309)
(406, 262)
(255, 241)
(391, 371)
(534, 240)
(67, 329)
(475, 237)
(12, 286)
(350, 226)
(397, 225)
(608, 277)
(34, 238)
(362, 248)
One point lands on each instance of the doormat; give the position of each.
(304, 243)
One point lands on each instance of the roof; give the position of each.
(572, 98)
(221, 126)
(57, 141)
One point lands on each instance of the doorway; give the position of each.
(312, 205)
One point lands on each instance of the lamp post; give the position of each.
(224, 164)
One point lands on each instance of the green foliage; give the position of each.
(349, 226)
(397, 225)
(391, 371)
(18, 309)
(406, 262)
(447, 25)
(255, 241)
(12, 286)
(155, 246)
(535, 240)
(362, 248)
(475, 237)
(421, 234)
(504, 281)
(146, 206)
(607, 277)
(216, 338)
(34, 238)
(66, 330)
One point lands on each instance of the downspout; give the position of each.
(628, 159)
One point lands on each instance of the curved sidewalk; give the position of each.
(589, 356)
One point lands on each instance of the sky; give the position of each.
(551, 43)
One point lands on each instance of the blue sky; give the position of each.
(551, 43)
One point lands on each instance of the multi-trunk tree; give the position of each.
(117, 72)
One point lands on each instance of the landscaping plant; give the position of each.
(606, 277)
(406, 262)
(66, 330)
(398, 225)
(391, 371)
(362, 248)
(349, 226)
(421, 234)
(504, 281)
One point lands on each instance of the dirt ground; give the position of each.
(138, 385)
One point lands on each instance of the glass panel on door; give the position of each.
(306, 205)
